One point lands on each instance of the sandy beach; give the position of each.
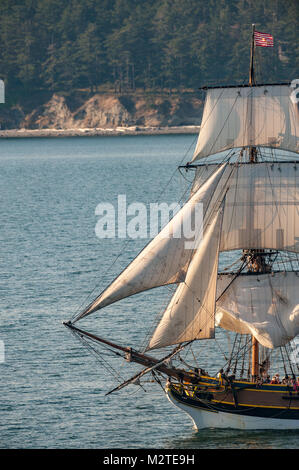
(134, 130)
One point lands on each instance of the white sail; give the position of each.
(190, 313)
(264, 305)
(261, 206)
(166, 258)
(245, 116)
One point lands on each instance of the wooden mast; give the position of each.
(252, 156)
(251, 70)
(254, 358)
(252, 149)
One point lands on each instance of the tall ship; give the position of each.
(245, 171)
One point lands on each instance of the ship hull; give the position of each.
(226, 416)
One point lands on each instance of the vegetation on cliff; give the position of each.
(77, 49)
(59, 45)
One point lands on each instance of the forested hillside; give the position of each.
(124, 45)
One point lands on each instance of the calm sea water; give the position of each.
(52, 390)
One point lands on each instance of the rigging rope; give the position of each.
(78, 312)
(98, 356)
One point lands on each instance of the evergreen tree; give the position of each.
(129, 44)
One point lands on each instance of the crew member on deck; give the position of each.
(275, 379)
(296, 385)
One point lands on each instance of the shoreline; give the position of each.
(93, 132)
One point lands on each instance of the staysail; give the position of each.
(261, 206)
(262, 115)
(263, 305)
(190, 313)
(166, 258)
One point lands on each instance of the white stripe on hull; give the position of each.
(219, 419)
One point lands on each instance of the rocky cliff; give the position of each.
(105, 111)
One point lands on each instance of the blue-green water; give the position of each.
(52, 391)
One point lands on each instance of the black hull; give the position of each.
(239, 409)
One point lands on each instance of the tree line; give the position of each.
(124, 45)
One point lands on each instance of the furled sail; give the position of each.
(190, 313)
(263, 305)
(245, 116)
(261, 206)
(166, 258)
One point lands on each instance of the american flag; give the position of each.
(263, 39)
